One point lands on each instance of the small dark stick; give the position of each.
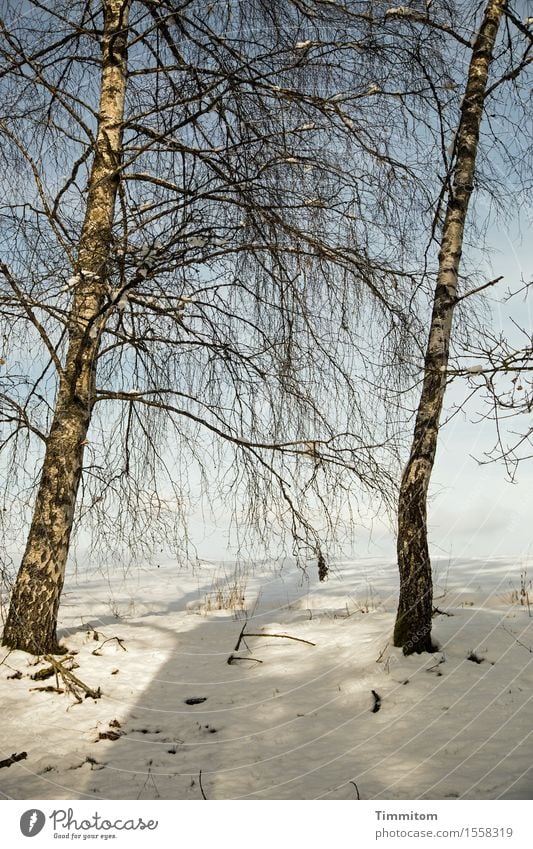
(21, 756)
(201, 786)
(438, 612)
(356, 790)
(233, 658)
(377, 701)
(241, 637)
(382, 652)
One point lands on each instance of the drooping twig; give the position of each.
(356, 790)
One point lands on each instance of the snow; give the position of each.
(298, 725)
(397, 10)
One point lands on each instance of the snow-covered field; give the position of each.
(302, 723)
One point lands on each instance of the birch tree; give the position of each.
(202, 265)
(413, 624)
(33, 613)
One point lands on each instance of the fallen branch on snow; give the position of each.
(72, 683)
(242, 635)
(97, 652)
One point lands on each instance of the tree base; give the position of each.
(34, 647)
(412, 639)
(31, 623)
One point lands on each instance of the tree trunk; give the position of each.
(413, 623)
(32, 618)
